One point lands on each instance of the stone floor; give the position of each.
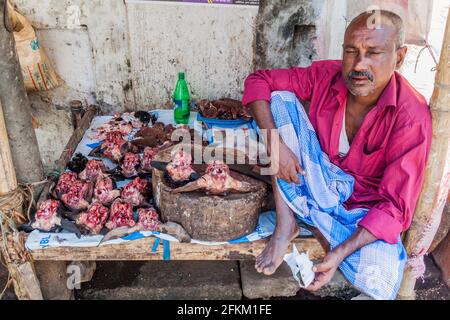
(217, 280)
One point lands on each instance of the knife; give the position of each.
(251, 171)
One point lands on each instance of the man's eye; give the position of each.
(375, 52)
(350, 51)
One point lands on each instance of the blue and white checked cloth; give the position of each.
(375, 269)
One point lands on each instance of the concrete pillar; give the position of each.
(16, 109)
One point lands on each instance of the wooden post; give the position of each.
(435, 188)
(16, 110)
(26, 284)
(8, 181)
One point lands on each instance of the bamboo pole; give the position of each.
(436, 185)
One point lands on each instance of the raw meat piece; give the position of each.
(121, 215)
(217, 181)
(94, 218)
(65, 181)
(130, 164)
(147, 158)
(114, 147)
(148, 220)
(79, 196)
(180, 168)
(104, 191)
(94, 169)
(47, 215)
(136, 192)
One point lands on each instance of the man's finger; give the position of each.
(322, 267)
(284, 177)
(318, 283)
(294, 177)
(299, 168)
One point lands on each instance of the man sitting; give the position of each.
(369, 133)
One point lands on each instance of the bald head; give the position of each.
(381, 19)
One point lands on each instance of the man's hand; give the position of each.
(281, 157)
(288, 164)
(325, 270)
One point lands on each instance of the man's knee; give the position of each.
(284, 95)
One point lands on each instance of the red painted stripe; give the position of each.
(32, 79)
(42, 76)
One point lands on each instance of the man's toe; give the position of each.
(269, 269)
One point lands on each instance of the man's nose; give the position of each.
(361, 63)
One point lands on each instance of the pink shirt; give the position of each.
(387, 156)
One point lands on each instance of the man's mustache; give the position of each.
(361, 74)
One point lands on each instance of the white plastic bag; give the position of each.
(301, 267)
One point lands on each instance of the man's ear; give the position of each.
(401, 54)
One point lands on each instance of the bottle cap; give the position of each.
(181, 75)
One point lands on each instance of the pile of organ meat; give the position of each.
(124, 123)
(223, 109)
(115, 146)
(92, 200)
(134, 157)
(88, 194)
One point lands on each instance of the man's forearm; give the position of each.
(263, 116)
(357, 240)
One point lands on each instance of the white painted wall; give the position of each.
(126, 54)
(213, 44)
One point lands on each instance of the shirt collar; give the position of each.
(388, 96)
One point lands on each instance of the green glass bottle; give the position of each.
(181, 99)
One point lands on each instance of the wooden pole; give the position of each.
(16, 110)
(26, 284)
(8, 181)
(436, 185)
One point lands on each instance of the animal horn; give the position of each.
(191, 186)
(242, 186)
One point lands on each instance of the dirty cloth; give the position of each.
(376, 269)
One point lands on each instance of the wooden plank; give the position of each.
(139, 250)
(76, 137)
(26, 284)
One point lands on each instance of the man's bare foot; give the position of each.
(272, 256)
